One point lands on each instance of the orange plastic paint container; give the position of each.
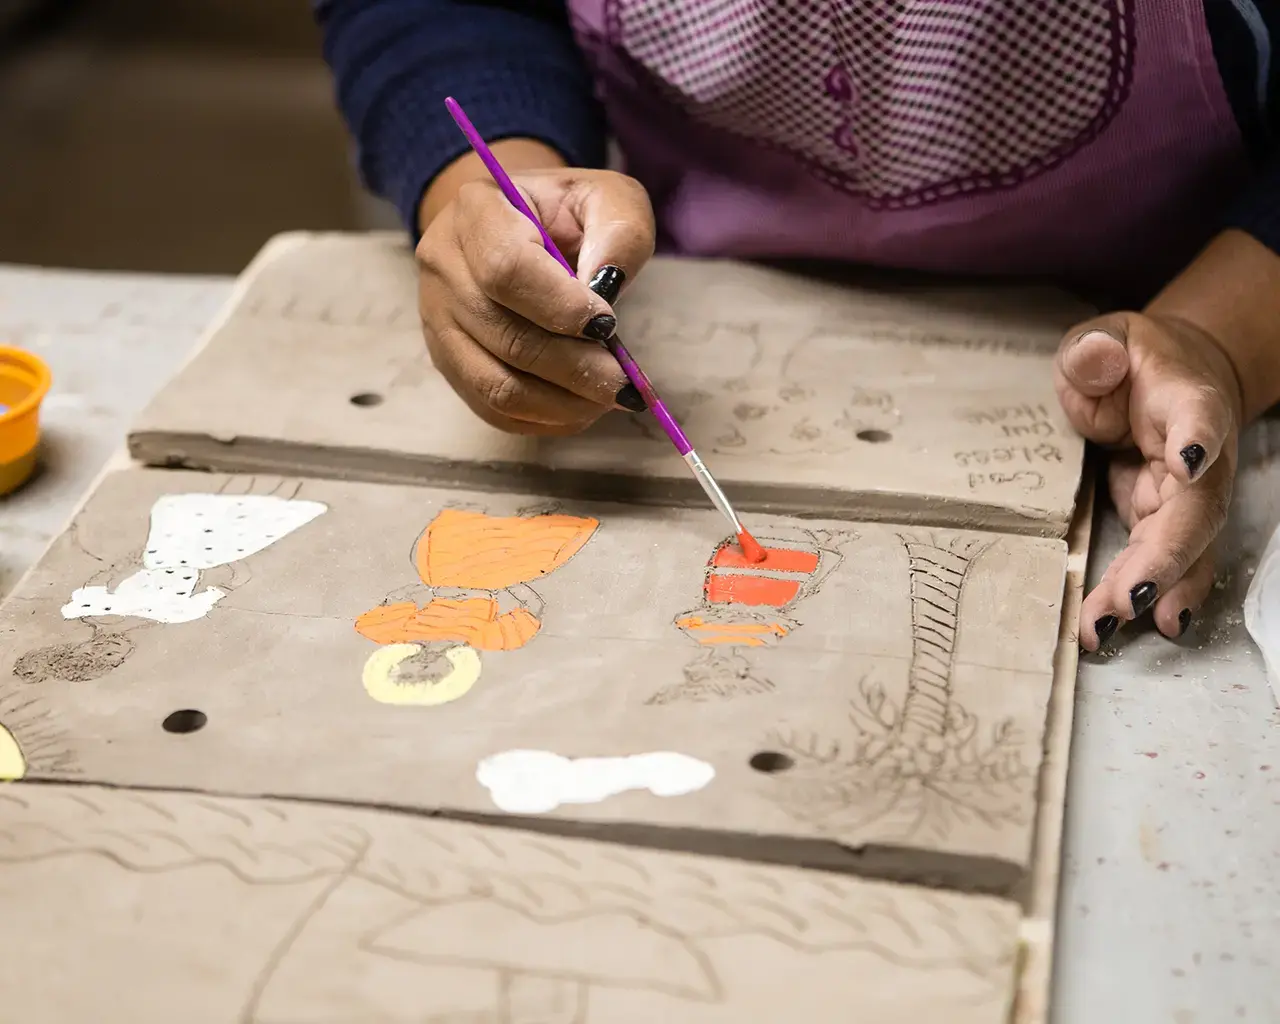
(24, 381)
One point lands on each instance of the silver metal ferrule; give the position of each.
(708, 482)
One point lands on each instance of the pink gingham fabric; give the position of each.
(900, 103)
(999, 136)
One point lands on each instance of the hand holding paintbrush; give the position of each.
(613, 343)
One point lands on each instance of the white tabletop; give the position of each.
(1171, 902)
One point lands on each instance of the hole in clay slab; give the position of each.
(366, 399)
(187, 720)
(770, 761)
(874, 436)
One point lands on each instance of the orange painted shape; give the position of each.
(475, 551)
(470, 620)
(386, 624)
(746, 634)
(752, 590)
(781, 559)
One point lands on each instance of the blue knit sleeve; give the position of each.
(1257, 211)
(514, 67)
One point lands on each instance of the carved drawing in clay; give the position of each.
(30, 738)
(536, 781)
(917, 768)
(474, 595)
(797, 411)
(746, 605)
(190, 534)
(76, 662)
(321, 915)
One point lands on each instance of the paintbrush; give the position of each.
(753, 551)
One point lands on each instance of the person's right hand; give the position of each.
(514, 334)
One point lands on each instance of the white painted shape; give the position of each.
(162, 595)
(204, 531)
(1262, 611)
(190, 533)
(537, 781)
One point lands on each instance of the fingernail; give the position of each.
(1184, 620)
(1093, 335)
(629, 397)
(1193, 456)
(608, 282)
(1106, 628)
(600, 328)
(1142, 597)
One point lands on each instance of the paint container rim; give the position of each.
(37, 376)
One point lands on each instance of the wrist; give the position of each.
(1231, 293)
(515, 155)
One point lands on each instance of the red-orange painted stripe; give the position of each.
(781, 559)
(752, 590)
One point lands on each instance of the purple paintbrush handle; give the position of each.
(502, 179)
(616, 348)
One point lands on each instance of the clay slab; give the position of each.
(934, 406)
(888, 721)
(133, 907)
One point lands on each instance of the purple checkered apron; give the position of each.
(1083, 140)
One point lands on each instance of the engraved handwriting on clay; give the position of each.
(1012, 421)
(1043, 452)
(537, 781)
(1026, 479)
(1006, 415)
(190, 533)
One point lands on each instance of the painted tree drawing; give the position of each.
(913, 769)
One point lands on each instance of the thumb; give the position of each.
(1091, 374)
(617, 232)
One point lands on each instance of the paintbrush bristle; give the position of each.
(750, 546)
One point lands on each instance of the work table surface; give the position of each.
(1170, 909)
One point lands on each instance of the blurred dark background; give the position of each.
(166, 135)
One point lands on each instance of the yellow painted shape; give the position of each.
(13, 765)
(381, 676)
(475, 551)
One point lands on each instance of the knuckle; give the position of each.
(503, 394)
(1217, 506)
(427, 253)
(471, 197)
(522, 345)
(1179, 557)
(496, 268)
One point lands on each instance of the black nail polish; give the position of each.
(629, 397)
(1106, 628)
(600, 328)
(1193, 456)
(1184, 620)
(608, 282)
(1142, 597)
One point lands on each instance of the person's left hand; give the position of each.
(1164, 392)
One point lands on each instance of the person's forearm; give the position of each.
(1232, 291)
(512, 64)
(515, 155)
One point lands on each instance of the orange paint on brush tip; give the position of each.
(750, 547)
